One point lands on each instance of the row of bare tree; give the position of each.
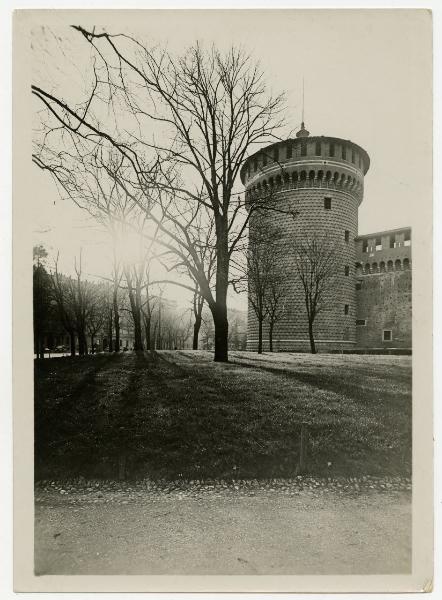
(85, 310)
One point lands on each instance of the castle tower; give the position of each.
(319, 180)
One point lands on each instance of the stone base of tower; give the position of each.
(300, 345)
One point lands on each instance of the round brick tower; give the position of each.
(319, 180)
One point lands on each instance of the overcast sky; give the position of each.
(367, 78)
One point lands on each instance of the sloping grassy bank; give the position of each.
(178, 414)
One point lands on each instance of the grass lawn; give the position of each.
(178, 414)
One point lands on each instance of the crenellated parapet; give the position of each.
(307, 162)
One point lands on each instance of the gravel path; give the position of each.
(299, 526)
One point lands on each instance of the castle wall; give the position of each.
(383, 251)
(384, 304)
(333, 327)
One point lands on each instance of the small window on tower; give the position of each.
(392, 241)
(332, 149)
(365, 246)
(407, 239)
(359, 285)
(327, 203)
(346, 309)
(353, 156)
(318, 148)
(347, 235)
(289, 151)
(387, 335)
(347, 270)
(344, 152)
(276, 154)
(361, 322)
(303, 148)
(378, 244)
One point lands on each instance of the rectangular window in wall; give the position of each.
(332, 149)
(407, 239)
(365, 246)
(318, 148)
(392, 241)
(303, 148)
(327, 203)
(346, 309)
(344, 153)
(347, 235)
(288, 152)
(359, 285)
(347, 270)
(361, 322)
(276, 154)
(255, 164)
(387, 335)
(378, 244)
(353, 157)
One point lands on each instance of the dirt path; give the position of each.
(223, 531)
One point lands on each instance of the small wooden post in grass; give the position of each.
(303, 448)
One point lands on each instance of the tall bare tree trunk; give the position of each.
(154, 337)
(271, 324)
(72, 342)
(41, 346)
(219, 311)
(110, 345)
(198, 304)
(116, 319)
(260, 336)
(147, 327)
(312, 339)
(138, 338)
(196, 332)
(82, 343)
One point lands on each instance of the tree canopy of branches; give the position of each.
(181, 128)
(316, 265)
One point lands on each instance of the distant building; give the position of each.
(321, 180)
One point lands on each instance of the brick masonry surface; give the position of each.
(384, 303)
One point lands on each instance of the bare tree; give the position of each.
(275, 300)
(261, 274)
(133, 274)
(198, 305)
(61, 294)
(41, 299)
(148, 307)
(208, 331)
(96, 314)
(316, 265)
(189, 124)
(80, 299)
